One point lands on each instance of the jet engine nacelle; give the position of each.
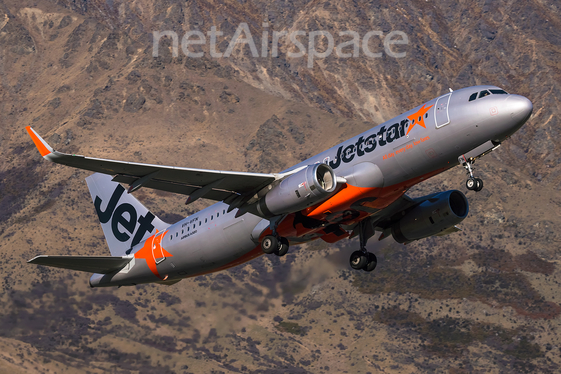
(300, 190)
(434, 215)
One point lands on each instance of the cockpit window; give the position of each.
(484, 93)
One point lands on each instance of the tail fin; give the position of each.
(124, 220)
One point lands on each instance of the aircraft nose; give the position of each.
(520, 108)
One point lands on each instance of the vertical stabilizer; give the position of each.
(124, 220)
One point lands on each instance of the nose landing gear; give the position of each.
(473, 183)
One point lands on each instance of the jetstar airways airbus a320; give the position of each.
(353, 189)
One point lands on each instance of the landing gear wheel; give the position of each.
(283, 247)
(479, 184)
(269, 244)
(472, 184)
(372, 262)
(358, 260)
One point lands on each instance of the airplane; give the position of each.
(356, 188)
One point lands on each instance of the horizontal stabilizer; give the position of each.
(170, 282)
(90, 264)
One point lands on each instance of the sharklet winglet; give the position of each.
(43, 147)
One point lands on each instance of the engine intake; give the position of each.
(300, 190)
(432, 216)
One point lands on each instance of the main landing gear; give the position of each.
(472, 184)
(363, 260)
(273, 244)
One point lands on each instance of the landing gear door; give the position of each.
(441, 115)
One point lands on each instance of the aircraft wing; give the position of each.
(210, 184)
(99, 264)
(385, 218)
(382, 219)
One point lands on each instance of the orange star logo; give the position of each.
(418, 118)
(152, 248)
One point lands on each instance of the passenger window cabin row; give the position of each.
(195, 225)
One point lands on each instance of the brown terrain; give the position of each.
(81, 72)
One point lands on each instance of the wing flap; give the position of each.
(90, 264)
(184, 189)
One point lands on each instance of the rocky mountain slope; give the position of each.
(82, 74)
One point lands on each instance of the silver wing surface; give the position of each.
(211, 184)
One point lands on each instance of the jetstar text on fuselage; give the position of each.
(346, 154)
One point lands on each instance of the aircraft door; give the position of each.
(157, 250)
(441, 115)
